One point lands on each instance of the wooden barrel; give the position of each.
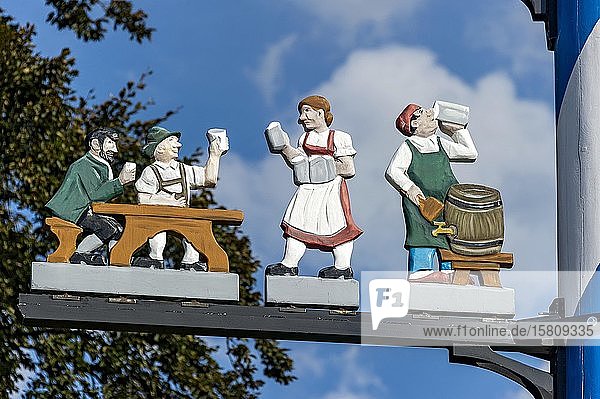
(477, 213)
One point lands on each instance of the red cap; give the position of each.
(403, 120)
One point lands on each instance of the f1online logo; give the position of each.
(388, 298)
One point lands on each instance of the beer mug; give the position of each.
(450, 112)
(277, 138)
(130, 167)
(221, 136)
(127, 174)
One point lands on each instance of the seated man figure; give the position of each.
(90, 179)
(169, 182)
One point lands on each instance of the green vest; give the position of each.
(86, 181)
(433, 175)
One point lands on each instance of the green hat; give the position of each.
(155, 136)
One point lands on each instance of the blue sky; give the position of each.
(241, 64)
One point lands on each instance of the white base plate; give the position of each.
(316, 292)
(135, 281)
(463, 299)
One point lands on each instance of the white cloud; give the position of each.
(345, 393)
(267, 76)
(353, 17)
(357, 381)
(336, 371)
(534, 290)
(514, 138)
(507, 29)
(308, 362)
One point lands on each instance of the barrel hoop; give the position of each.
(477, 244)
(473, 206)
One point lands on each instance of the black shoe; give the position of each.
(334, 272)
(279, 269)
(196, 266)
(143, 261)
(88, 259)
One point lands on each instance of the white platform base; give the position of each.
(135, 281)
(315, 292)
(461, 299)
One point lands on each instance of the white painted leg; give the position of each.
(89, 244)
(157, 245)
(191, 255)
(342, 254)
(294, 250)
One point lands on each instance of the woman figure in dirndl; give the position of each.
(318, 215)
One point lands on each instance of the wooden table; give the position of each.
(488, 266)
(145, 221)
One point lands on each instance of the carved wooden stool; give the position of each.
(488, 267)
(67, 234)
(145, 221)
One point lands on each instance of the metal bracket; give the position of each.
(123, 300)
(194, 304)
(292, 309)
(342, 312)
(66, 297)
(545, 11)
(316, 325)
(557, 308)
(538, 382)
(424, 316)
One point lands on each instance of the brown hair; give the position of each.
(318, 102)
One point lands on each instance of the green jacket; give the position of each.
(86, 181)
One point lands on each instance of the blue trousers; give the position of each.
(421, 258)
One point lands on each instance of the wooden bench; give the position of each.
(145, 221)
(67, 234)
(488, 266)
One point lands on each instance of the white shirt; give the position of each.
(462, 149)
(148, 182)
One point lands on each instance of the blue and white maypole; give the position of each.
(577, 69)
(573, 32)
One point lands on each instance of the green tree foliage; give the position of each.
(41, 133)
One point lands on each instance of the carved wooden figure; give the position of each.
(164, 193)
(420, 170)
(169, 182)
(89, 179)
(318, 216)
(461, 224)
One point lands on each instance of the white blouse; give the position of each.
(461, 149)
